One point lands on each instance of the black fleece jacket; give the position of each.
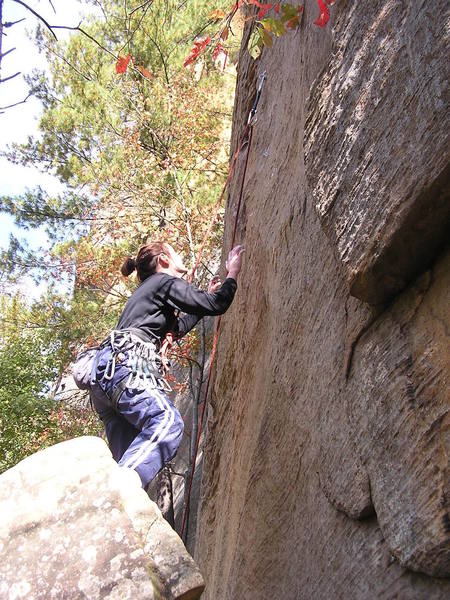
(151, 308)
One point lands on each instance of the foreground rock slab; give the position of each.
(75, 525)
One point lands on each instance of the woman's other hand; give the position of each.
(214, 284)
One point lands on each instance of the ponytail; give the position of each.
(128, 267)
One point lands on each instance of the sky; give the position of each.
(18, 122)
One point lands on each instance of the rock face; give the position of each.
(377, 134)
(326, 458)
(75, 525)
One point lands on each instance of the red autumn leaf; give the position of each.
(300, 8)
(122, 63)
(324, 13)
(218, 50)
(196, 50)
(277, 8)
(144, 72)
(264, 8)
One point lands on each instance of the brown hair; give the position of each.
(146, 260)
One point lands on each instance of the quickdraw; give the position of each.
(142, 359)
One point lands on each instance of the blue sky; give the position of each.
(20, 121)
(17, 123)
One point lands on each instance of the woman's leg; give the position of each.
(161, 429)
(119, 432)
(154, 426)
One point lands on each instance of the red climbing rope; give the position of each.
(169, 339)
(248, 129)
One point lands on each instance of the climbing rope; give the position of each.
(246, 138)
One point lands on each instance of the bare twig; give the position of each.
(6, 53)
(145, 5)
(88, 35)
(16, 103)
(10, 77)
(68, 63)
(163, 59)
(37, 15)
(128, 18)
(11, 23)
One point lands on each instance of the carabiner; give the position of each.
(252, 114)
(110, 368)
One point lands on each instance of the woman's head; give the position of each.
(153, 258)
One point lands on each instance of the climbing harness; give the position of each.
(128, 347)
(142, 359)
(245, 140)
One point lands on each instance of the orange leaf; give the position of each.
(122, 63)
(217, 14)
(144, 72)
(292, 23)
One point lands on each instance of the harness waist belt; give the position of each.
(133, 349)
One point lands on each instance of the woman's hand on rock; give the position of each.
(234, 261)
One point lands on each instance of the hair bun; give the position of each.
(128, 267)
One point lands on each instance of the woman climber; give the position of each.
(128, 387)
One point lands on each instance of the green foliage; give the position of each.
(30, 360)
(141, 154)
(278, 25)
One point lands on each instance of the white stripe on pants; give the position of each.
(159, 434)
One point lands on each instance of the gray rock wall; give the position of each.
(326, 459)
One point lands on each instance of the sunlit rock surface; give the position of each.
(326, 458)
(75, 525)
(377, 135)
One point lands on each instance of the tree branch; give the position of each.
(144, 5)
(6, 53)
(16, 103)
(37, 15)
(11, 23)
(10, 77)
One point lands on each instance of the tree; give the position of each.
(30, 360)
(142, 153)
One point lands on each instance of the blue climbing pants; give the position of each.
(144, 429)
